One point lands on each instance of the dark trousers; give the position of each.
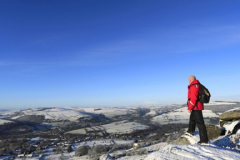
(196, 117)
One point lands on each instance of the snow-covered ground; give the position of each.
(93, 143)
(166, 151)
(186, 152)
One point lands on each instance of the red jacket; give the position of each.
(193, 93)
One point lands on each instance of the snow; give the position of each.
(151, 113)
(235, 109)
(229, 127)
(156, 147)
(102, 142)
(164, 151)
(109, 111)
(186, 152)
(5, 112)
(219, 103)
(57, 113)
(36, 139)
(121, 127)
(2, 121)
(180, 115)
(54, 113)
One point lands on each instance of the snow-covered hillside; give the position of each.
(179, 116)
(109, 111)
(220, 103)
(122, 127)
(2, 121)
(52, 113)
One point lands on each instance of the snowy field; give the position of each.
(122, 127)
(2, 121)
(109, 111)
(220, 103)
(179, 116)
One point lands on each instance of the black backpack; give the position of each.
(204, 96)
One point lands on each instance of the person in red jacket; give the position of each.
(195, 107)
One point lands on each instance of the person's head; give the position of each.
(191, 78)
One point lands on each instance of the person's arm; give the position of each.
(193, 97)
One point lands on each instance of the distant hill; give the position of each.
(32, 118)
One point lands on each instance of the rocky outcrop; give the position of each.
(213, 131)
(230, 115)
(182, 140)
(222, 122)
(230, 121)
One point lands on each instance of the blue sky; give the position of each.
(116, 53)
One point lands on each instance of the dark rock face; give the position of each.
(236, 128)
(213, 131)
(230, 115)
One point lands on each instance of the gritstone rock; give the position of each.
(222, 122)
(213, 131)
(182, 140)
(230, 115)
